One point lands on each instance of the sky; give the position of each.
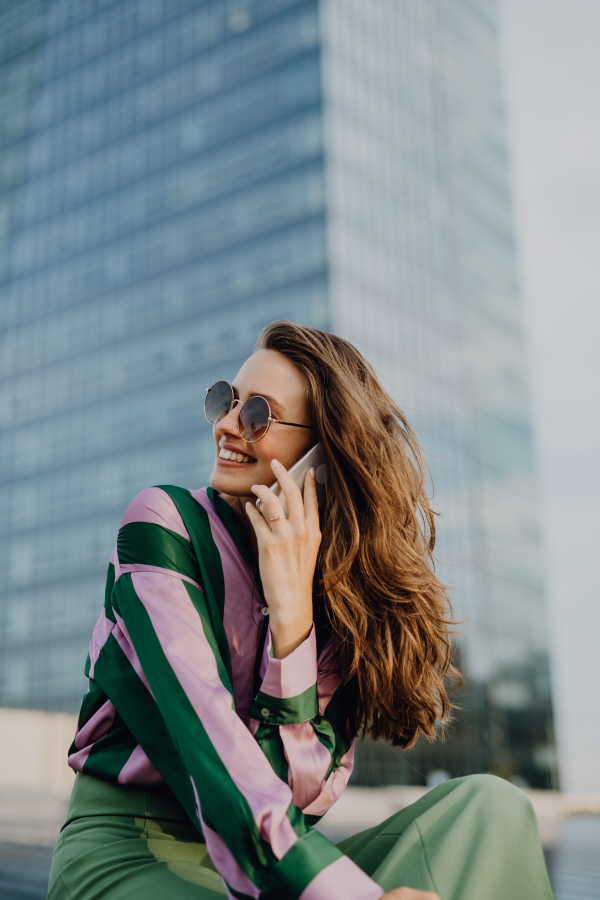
(552, 68)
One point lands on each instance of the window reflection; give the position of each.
(164, 169)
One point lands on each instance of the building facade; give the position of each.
(177, 174)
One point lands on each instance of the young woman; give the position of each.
(236, 659)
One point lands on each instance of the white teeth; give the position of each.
(230, 454)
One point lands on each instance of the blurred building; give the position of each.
(174, 174)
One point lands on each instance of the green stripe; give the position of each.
(309, 855)
(110, 583)
(226, 807)
(197, 598)
(110, 753)
(240, 538)
(135, 705)
(195, 518)
(287, 710)
(237, 894)
(90, 704)
(234, 526)
(312, 820)
(147, 544)
(332, 728)
(270, 743)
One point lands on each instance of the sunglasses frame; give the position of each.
(235, 400)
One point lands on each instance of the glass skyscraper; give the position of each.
(173, 176)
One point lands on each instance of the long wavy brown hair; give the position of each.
(389, 613)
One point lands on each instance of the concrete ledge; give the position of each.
(35, 784)
(33, 751)
(35, 780)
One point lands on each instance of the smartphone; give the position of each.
(315, 458)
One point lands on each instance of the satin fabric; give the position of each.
(472, 838)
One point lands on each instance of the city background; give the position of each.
(419, 177)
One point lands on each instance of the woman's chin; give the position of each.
(230, 482)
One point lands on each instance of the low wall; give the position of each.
(35, 780)
(33, 750)
(35, 783)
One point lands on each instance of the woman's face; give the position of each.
(270, 375)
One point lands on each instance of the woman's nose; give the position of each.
(230, 423)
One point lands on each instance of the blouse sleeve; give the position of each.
(298, 719)
(158, 659)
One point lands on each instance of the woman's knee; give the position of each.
(496, 795)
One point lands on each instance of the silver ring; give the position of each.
(277, 517)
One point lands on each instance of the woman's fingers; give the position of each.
(287, 554)
(311, 506)
(302, 511)
(270, 504)
(261, 529)
(291, 492)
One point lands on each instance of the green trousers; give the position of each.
(473, 838)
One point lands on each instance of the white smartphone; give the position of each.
(315, 458)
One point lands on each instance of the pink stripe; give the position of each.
(122, 638)
(308, 762)
(155, 506)
(96, 727)
(295, 673)
(342, 878)
(179, 630)
(134, 567)
(334, 786)
(242, 618)
(223, 858)
(101, 633)
(139, 770)
(114, 559)
(77, 760)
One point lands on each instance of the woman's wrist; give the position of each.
(288, 632)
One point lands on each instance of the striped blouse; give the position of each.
(183, 688)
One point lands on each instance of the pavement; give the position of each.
(574, 863)
(24, 871)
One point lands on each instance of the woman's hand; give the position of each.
(287, 555)
(406, 893)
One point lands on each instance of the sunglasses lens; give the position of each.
(254, 419)
(218, 402)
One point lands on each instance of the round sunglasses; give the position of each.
(254, 417)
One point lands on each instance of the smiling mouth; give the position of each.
(232, 456)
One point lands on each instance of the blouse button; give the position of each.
(265, 610)
(265, 712)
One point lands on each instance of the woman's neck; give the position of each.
(238, 504)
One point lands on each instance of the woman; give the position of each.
(236, 659)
